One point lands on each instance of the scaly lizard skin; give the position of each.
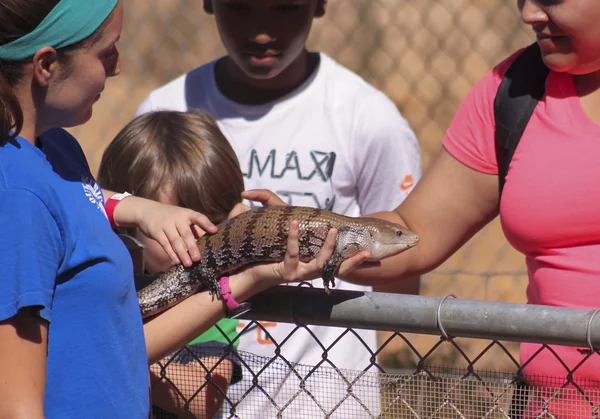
(260, 235)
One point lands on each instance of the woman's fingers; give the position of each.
(352, 263)
(165, 243)
(264, 196)
(327, 249)
(202, 221)
(183, 235)
(177, 245)
(187, 236)
(175, 229)
(291, 260)
(292, 255)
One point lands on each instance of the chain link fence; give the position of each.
(488, 383)
(424, 392)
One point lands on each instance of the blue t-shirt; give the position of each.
(59, 254)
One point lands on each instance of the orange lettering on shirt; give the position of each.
(264, 340)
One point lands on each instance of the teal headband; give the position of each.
(69, 22)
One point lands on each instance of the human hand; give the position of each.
(264, 196)
(265, 276)
(174, 228)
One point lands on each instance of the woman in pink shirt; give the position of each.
(550, 208)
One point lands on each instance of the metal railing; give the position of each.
(427, 390)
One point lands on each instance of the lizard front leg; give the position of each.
(329, 270)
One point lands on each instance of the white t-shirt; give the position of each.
(335, 143)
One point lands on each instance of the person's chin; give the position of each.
(79, 119)
(560, 62)
(261, 72)
(558, 52)
(86, 116)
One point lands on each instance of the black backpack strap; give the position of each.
(522, 86)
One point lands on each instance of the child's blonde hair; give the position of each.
(184, 154)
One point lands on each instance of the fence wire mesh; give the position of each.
(465, 389)
(453, 377)
(425, 55)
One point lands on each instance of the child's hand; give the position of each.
(175, 229)
(264, 196)
(293, 270)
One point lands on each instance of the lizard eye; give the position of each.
(398, 233)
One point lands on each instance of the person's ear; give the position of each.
(321, 8)
(208, 6)
(45, 65)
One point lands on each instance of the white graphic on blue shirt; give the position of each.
(93, 193)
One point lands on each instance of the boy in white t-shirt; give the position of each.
(318, 135)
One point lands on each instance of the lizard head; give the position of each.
(382, 238)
